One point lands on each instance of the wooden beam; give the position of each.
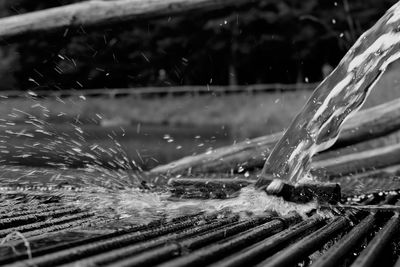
(365, 125)
(370, 123)
(251, 153)
(96, 12)
(358, 162)
(168, 90)
(382, 141)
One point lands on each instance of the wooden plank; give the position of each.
(94, 13)
(365, 125)
(369, 123)
(251, 153)
(386, 140)
(357, 162)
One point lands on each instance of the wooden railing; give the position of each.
(98, 13)
(164, 91)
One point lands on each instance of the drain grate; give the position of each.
(362, 231)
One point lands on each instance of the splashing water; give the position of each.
(29, 136)
(136, 206)
(342, 93)
(109, 192)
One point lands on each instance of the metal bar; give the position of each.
(63, 246)
(8, 207)
(335, 255)
(32, 235)
(51, 222)
(31, 210)
(371, 253)
(388, 208)
(62, 226)
(177, 248)
(302, 248)
(86, 250)
(31, 218)
(266, 247)
(114, 255)
(211, 253)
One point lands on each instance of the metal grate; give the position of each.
(363, 231)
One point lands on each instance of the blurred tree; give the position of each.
(273, 41)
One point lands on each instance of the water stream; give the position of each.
(340, 95)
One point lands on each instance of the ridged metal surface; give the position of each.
(361, 232)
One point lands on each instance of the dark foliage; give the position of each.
(276, 41)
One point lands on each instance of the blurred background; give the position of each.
(174, 86)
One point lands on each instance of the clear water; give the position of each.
(342, 93)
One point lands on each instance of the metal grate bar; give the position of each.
(369, 255)
(16, 221)
(21, 207)
(79, 252)
(87, 222)
(41, 225)
(32, 211)
(30, 196)
(294, 253)
(178, 248)
(211, 253)
(114, 255)
(336, 254)
(62, 246)
(63, 226)
(263, 249)
(219, 239)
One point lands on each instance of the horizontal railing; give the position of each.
(164, 91)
